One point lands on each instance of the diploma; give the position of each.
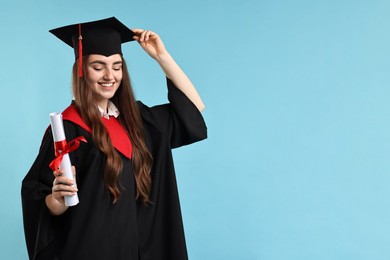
(57, 127)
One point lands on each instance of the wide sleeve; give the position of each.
(40, 227)
(35, 187)
(179, 120)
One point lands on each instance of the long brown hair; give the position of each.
(130, 119)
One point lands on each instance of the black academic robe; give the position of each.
(98, 229)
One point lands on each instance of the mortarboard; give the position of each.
(102, 37)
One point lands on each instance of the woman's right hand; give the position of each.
(62, 186)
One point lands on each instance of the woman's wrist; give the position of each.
(164, 58)
(55, 207)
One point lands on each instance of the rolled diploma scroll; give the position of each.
(57, 127)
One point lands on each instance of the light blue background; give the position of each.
(297, 105)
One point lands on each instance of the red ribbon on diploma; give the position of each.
(61, 148)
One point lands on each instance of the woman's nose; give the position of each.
(108, 74)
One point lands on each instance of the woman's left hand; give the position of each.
(150, 42)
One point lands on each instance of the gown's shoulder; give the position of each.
(179, 120)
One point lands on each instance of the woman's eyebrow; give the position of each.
(104, 63)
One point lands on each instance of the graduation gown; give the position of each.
(96, 228)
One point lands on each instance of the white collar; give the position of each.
(112, 111)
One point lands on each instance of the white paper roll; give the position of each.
(57, 127)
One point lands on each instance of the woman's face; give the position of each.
(104, 75)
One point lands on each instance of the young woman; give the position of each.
(129, 206)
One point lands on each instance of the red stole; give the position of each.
(118, 135)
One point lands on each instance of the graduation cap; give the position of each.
(102, 37)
